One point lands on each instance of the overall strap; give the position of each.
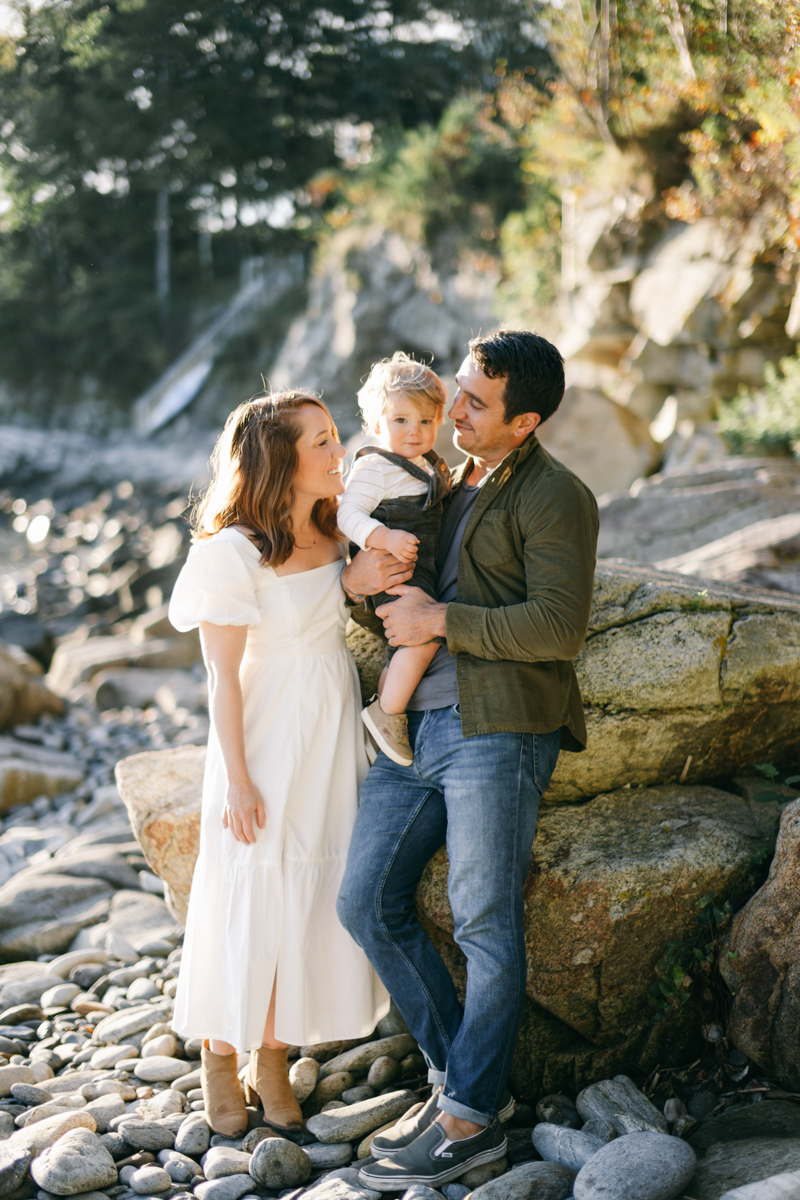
(397, 460)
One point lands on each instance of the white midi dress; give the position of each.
(266, 913)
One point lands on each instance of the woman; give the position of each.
(266, 962)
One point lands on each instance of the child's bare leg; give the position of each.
(404, 672)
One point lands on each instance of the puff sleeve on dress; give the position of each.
(217, 583)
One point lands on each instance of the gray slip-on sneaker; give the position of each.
(386, 1145)
(432, 1159)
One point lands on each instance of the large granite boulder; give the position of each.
(161, 790)
(761, 963)
(612, 882)
(674, 671)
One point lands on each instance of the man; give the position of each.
(515, 575)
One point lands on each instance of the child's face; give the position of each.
(408, 429)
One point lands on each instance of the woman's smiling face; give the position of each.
(320, 456)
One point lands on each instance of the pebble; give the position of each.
(303, 1078)
(277, 1163)
(60, 996)
(324, 1157)
(383, 1072)
(11, 1075)
(105, 1108)
(571, 1147)
(638, 1166)
(604, 1131)
(78, 1162)
(420, 1192)
(115, 1144)
(619, 1101)
(147, 1135)
(360, 1058)
(6, 1125)
(142, 989)
(730, 1165)
(770, 1118)
(356, 1120)
(455, 1191)
(45, 1133)
(333, 1188)
(479, 1175)
(251, 1139)
(14, 1163)
(166, 1044)
(161, 1068)
(531, 1181)
(232, 1187)
(558, 1110)
(354, 1095)
(785, 1186)
(149, 1179)
(331, 1088)
(220, 1161)
(28, 1093)
(121, 1026)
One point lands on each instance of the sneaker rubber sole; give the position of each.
(402, 1183)
(381, 743)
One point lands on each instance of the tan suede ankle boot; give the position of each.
(267, 1080)
(222, 1093)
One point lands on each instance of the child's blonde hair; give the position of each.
(400, 375)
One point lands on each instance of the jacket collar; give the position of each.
(509, 463)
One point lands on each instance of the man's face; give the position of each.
(478, 413)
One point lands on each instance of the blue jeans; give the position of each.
(479, 796)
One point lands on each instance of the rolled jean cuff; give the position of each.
(451, 1106)
(437, 1078)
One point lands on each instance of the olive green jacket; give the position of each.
(525, 582)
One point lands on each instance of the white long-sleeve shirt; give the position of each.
(372, 480)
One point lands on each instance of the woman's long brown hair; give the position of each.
(252, 476)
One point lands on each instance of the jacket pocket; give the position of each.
(492, 542)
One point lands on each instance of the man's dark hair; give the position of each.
(531, 366)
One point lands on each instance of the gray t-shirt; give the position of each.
(438, 688)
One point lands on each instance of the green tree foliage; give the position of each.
(116, 117)
(767, 421)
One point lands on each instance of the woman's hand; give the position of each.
(243, 803)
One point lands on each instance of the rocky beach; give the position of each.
(99, 804)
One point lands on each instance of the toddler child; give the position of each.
(393, 501)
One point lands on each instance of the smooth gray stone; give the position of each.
(455, 1191)
(785, 1186)
(221, 1161)
(77, 1162)
(531, 1181)
(619, 1101)
(219, 1139)
(324, 1157)
(194, 1136)
(420, 1192)
(149, 1179)
(28, 1093)
(147, 1135)
(360, 1058)
(335, 1188)
(638, 1166)
(14, 1163)
(770, 1118)
(571, 1147)
(354, 1094)
(116, 1145)
(232, 1187)
(675, 1108)
(558, 1110)
(6, 1125)
(598, 1128)
(730, 1165)
(355, 1121)
(276, 1163)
